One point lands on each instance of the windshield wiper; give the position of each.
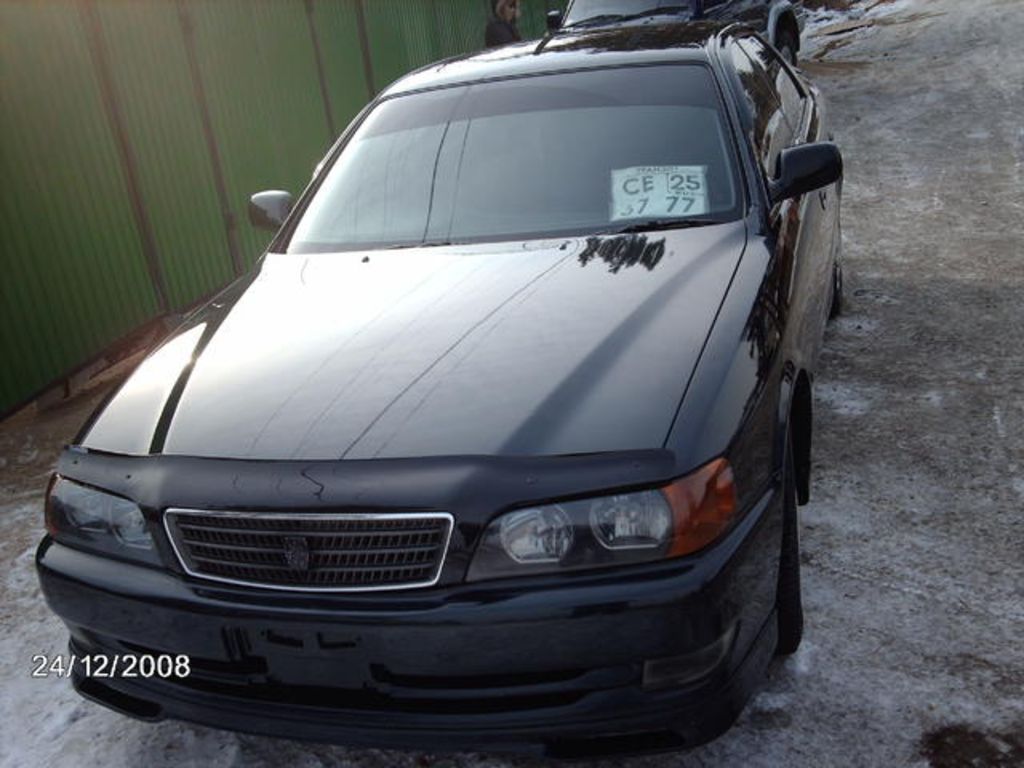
(665, 10)
(602, 18)
(423, 244)
(660, 225)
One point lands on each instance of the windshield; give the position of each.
(602, 10)
(563, 154)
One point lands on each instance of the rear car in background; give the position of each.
(500, 446)
(776, 19)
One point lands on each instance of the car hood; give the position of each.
(531, 348)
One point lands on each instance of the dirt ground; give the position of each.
(914, 541)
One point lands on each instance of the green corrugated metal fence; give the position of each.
(132, 133)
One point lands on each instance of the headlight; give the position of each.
(539, 535)
(91, 519)
(642, 526)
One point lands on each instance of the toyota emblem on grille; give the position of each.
(296, 553)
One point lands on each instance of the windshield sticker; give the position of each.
(659, 192)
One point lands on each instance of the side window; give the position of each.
(772, 131)
(788, 93)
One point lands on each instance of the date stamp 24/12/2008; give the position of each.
(164, 666)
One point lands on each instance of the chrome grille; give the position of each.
(309, 551)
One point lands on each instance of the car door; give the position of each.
(784, 115)
(804, 110)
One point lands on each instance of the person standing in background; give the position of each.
(501, 28)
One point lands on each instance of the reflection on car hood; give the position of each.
(531, 348)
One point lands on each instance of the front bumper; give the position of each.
(653, 657)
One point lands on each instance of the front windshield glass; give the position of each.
(583, 10)
(563, 154)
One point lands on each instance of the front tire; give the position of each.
(788, 598)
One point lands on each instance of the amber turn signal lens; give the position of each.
(703, 506)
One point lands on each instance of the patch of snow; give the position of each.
(818, 19)
(843, 399)
(997, 417)
(800, 663)
(877, 296)
(881, 9)
(20, 581)
(821, 24)
(27, 457)
(767, 701)
(856, 325)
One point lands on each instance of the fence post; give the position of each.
(199, 93)
(129, 163)
(364, 46)
(321, 75)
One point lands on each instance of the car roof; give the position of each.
(648, 43)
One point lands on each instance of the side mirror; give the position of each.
(554, 20)
(806, 168)
(268, 210)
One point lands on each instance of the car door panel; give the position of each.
(797, 223)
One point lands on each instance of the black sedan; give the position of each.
(777, 19)
(501, 444)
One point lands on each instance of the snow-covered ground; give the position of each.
(822, 26)
(913, 546)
